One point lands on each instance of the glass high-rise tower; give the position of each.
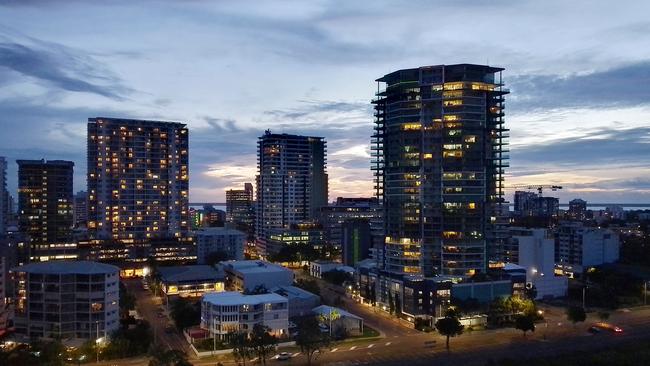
(438, 158)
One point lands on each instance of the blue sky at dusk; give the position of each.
(578, 71)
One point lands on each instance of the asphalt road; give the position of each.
(148, 307)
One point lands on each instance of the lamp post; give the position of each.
(97, 340)
(584, 295)
(645, 292)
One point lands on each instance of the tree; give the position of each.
(308, 285)
(525, 323)
(449, 327)
(311, 339)
(172, 357)
(185, 314)
(241, 347)
(576, 314)
(262, 342)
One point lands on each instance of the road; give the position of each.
(400, 344)
(149, 307)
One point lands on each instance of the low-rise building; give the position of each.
(67, 299)
(191, 281)
(533, 250)
(338, 320)
(250, 274)
(578, 247)
(300, 301)
(217, 239)
(226, 312)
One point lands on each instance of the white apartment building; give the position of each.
(248, 275)
(217, 239)
(578, 247)
(227, 312)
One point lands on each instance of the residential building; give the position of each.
(318, 267)
(191, 281)
(80, 209)
(138, 183)
(225, 312)
(249, 275)
(335, 214)
(577, 209)
(291, 183)
(616, 212)
(439, 156)
(578, 247)
(67, 299)
(240, 209)
(300, 301)
(357, 241)
(227, 241)
(529, 204)
(534, 251)
(45, 202)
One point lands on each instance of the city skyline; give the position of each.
(578, 112)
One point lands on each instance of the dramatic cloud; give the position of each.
(578, 109)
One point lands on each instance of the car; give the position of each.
(594, 330)
(609, 327)
(283, 356)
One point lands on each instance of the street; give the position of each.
(149, 309)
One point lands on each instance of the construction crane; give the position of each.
(539, 187)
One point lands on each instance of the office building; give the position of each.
(250, 275)
(310, 233)
(67, 299)
(291, 182)
(225, 312)
(577, 209)
(45, 203)
(534, 251)
(240, 210)
(80, 209)
(335, 214)
(357, 241)
(578, 247)
(439, 156)
(529, 204)
(228, 242)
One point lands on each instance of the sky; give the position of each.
(578, 72)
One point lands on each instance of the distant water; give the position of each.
(200, 207)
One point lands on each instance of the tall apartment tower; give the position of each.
(138, 180)
(438, 156)
(45, 202)
(80, 209)
(4, 197)
(291, 182)
(239, 208)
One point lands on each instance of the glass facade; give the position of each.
(438, 156)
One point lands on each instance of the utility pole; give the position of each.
(645, 292)
(583, 297)
(214, 334)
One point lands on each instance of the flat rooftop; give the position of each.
(68, 267)
(190, 273)
(254, 266)
(237, 298)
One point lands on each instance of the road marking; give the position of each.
(335, 349)
(353, 348)
(295, 354)
(370, 346)
(388, 343)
